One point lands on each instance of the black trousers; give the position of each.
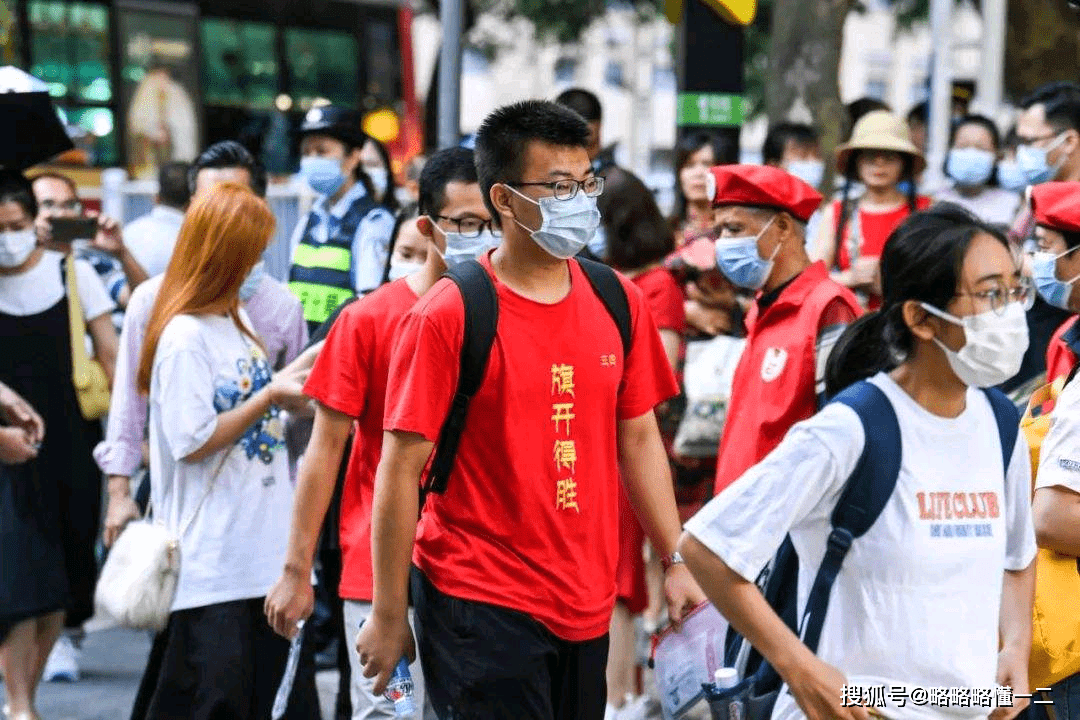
(483, 662)
(222, 662)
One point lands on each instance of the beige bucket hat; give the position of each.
(879, 130)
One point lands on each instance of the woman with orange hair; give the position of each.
(219, 475)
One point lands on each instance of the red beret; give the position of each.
(763, 185)
(1057, 205)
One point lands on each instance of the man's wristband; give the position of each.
(673, 559)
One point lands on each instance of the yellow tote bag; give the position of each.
(1055, 645)
(87, 374)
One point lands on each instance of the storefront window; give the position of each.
(239, 63)
(322, 65)
(93, 131)
(70, 49)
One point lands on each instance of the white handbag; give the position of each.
(138, 582)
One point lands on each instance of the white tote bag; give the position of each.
(707, 378)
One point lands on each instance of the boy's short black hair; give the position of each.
(1061, 102)
(780, 134)
(227, 154)
(456, 164)
(15, 188)
(173, 188)
(583, 102)
(506, 133)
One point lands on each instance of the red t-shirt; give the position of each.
(529, 520)
(876, 228)
(350, 376)
(664, 297)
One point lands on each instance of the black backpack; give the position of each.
(481, 322)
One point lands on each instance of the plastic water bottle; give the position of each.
(400, 690)
(725, 679)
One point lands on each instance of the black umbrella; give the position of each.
(30, 130)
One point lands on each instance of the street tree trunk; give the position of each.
(1042, 45)
(804, 61)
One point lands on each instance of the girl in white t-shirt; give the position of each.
(50, 506)
(218, 469)
(924, 596)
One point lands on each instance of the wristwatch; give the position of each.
(668, 560)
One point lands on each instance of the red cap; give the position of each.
(1057, 205)
(764, 186)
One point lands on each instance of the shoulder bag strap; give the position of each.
(206, 493)
(80, 361)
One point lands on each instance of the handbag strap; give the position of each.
(80, 361)
(202, 498)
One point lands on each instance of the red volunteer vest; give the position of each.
(774, 381)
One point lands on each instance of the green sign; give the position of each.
(713, 109)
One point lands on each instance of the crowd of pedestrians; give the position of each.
(488, 413)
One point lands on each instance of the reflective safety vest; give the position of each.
(320, 274)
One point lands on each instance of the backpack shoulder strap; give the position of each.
(1008, 423)
(868, 490)
(481, 320)
(608, 287)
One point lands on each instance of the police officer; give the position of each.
(796, 318)
(340, 249)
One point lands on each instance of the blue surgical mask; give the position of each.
(1055, 292)
(567, 225)
(251, 283)
(1035, 163)
(738, 259)
(970, 167)
(1011, 176)
(811, 172)
(323, 174)
(598, 244)
(461, 249)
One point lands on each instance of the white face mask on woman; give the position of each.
(16, 246)
(994, 344)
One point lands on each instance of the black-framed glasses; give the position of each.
(999, 298)
(468, 226)
(567, 189)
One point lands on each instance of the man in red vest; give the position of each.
(796, 318)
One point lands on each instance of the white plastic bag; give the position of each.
(685, 659)
(707, 378)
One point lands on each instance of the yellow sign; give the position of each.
(739, 12)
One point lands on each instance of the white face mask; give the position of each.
(380, 179)
(460, 249)
(811, 172)
(252, 281)
(403, 268)
(567, 225)
(16, 246)
(994, 345)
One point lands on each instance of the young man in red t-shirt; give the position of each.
(515, 562)
(348, 382)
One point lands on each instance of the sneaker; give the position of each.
(634, 709)
(63, 662)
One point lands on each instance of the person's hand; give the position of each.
(711, 321)
(381, 644)
(110, 236)
(291, 600)
(287, 389)
(865, 272)
(818, 689)
(1012, 671)
(17, 412)
(16, 446)
(121, 510)
(682, 592)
